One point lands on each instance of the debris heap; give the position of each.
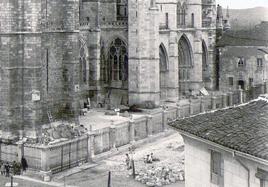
(160, 175)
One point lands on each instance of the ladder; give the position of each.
(50, 118)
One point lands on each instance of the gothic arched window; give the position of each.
(185, 64)
(83, 63)
(163, 59)
(121, 9)
(181, 14)
(118, 60)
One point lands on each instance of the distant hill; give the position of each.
(247, 18)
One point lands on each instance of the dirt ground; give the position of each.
(169, 150)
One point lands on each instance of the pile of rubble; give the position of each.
(160, 175)
(58, 132)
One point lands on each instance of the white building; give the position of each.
(228, 147)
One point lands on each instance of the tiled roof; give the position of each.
(243, 128)
(254, 37)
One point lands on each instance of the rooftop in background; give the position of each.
(258, 36)
(243, 128)
(239, 4)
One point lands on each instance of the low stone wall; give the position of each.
(56, 158)
(8, 152)
(52, 158)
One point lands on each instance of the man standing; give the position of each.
(24, 164)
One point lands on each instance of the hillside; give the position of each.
(247, 18)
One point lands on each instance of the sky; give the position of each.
(241, 4)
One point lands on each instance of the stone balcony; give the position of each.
(58, 26)
(163, 26)
(115, 24)
(85, 25)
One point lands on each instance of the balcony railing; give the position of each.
(121, 23)
(163, 26)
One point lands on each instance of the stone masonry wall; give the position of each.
(229, 66)
(38, 40)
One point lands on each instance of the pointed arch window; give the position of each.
(163, 59)
(181, 14)
(83, 63)
(121, 10)
(185, 59)
(118, 60)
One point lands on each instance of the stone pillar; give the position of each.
(178, 112)
(266, 87)
(44, 160)
(143, 53)
(131, 131)
(93, 40)
(196, 72)
(241, 97)
(20, 150)
(164, 120)
(213, 102)
(149, 124)
(112, 137)
(91, 146)
(45, 167)
(191, 110)
(224, 101)
(173, 74)
(230, 94)
(202, 107)
(263, 88)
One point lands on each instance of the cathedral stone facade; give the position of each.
(56, 54)
(143, 51)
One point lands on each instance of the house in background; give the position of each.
(228, 147)
(242, 58)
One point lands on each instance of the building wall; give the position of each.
(20, 45)
(197, 167)
(229, 58)
(40, 45)
(29, 29)
(144, 32)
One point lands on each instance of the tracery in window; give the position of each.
(241, 62)
(83, 62)
(121, 10)
(118, 60)
(185, 61)
(181, 14)
(259, 62)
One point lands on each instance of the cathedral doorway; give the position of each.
(163, 68)
(185, 61)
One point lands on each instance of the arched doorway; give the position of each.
(163, 68)
(117, 72)
(185, 65)
(205, 73)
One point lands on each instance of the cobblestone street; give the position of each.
(22, 183)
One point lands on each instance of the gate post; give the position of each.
(131, 130)
(149, 125)
(0, 149)
(91, 151)
(20, 150)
